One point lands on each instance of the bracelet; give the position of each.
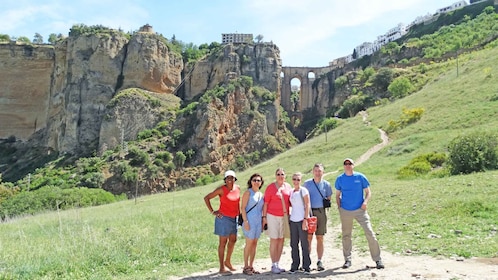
(263, 217)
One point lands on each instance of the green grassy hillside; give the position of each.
(171, 233)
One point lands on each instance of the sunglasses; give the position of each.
(296, 179)
(348, 163)
(280, 174)
(256, 180)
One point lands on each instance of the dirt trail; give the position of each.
(397, 267)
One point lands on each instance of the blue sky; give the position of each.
(308, 33)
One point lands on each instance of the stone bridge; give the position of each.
(306, 76)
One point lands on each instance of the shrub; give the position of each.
(423, 164)
(340, 82)
(50, 198)
(474, 152)
(137, 157)
(400, 87)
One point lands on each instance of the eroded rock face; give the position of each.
(64, 89)
(260, 61)
(150, 65)
(25, 80)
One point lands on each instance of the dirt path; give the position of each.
(397, 267)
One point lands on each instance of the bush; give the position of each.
(424, 164)
(475, 152)
(50, 198)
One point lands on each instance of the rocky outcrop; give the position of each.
(261, 62)
(150, 65)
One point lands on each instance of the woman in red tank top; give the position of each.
(225, 224)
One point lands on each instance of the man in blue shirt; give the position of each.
(319, 190)
(352, 205)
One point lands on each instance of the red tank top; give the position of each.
(229, 201)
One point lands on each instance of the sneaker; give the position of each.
(275, 270)
(346, 264)
(307, 271)
(319, 266)
(292, 271)
(281, 269)
(379, 264)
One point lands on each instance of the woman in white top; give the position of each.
(300, 202)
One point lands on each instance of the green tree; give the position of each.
(400, 87)
(383, 78)
(4, 38)
(52, 38)
(38, 39)
(23, 39)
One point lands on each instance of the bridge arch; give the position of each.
(307, 76)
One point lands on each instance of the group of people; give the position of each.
(284, 211)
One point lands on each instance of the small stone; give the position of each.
(373, 274)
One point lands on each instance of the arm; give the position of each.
(338, 198)
(243, 204)
(265, 208)
(207, 199)
(368, 195)
(307, 208)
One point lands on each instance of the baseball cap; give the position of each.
(348, 159)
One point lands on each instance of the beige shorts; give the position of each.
(275, 226)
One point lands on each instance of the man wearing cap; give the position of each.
(225, 225)
(352, 196)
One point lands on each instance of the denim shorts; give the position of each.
(225, 226)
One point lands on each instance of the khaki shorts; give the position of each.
(275, 226)
(321, 220)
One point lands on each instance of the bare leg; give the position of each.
(221, 251)
(319, 246)
(232, 238)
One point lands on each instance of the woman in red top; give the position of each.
(273, 216)
(225, 225)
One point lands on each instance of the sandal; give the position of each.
(254, 271)
(248, 271)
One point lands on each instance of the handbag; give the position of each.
(240, 220)
(286, 219)
(326, 202)
(312, 220)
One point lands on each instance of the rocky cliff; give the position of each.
(25, 82)
(260, 61)
(65, 89)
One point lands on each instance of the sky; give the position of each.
(308, 33)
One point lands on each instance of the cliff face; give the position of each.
(261, 62)
(65, 89)
(25, 81)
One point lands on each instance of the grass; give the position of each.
(172, 233)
